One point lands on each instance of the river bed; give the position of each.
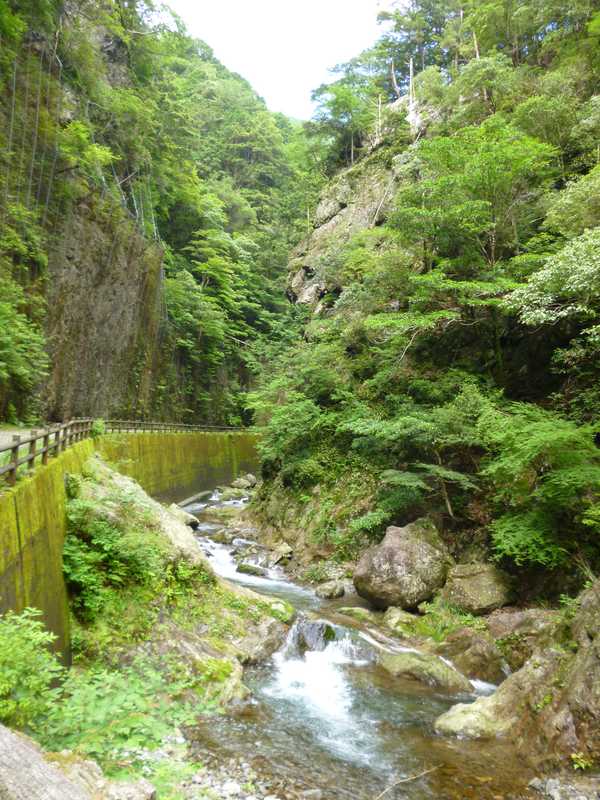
(326, 717)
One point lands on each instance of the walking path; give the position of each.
(6, 435)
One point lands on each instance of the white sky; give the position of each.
(284, 48)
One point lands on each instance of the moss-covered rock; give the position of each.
(477, 588)
(550, 707)
(425, 668)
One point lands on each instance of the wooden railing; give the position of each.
(125, 426)
(40, 444)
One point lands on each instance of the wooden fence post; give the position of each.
(32, 449)
(45, 446)
(14, 459)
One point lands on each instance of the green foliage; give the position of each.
(28, 669)
(98, 428)
(99, 555)
(442, 619)
(104, 713)
(547, 474)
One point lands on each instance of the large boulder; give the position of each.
(409, 565)
(425, 668)
(477, 588)
(550, 708)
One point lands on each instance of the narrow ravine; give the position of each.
(326, 717)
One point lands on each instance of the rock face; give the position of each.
(520, 631)
(409, 565)
(357, 199)
(427, 669)
(247, 568)
(103, 315)
(475, 654)
(477, 588)
(25, 774)
(551, 707)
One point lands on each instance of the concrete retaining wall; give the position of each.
(169, 466)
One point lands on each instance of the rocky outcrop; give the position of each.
(425, 668)
(27, 774)
(475, 654)
(518, 632)
(357, 199)
(409, 565)
(551, 707)
(106, 492)
(477, 588)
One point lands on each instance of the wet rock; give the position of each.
(310, 634)
(518, 632)
(233, 493)
(425, 668)
(584, 788)
(330, 590)
(398, 621)
(247, 568)
(409, 565)
(550, 707)
(475, 654)
(282, 552)
(183, 516)
(221, 536)
(360, 614)
(267, 637)
(477, 588)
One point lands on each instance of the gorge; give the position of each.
(387, 584)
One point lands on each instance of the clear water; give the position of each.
(326, 716)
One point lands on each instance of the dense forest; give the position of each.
(110, 111)
(451, 362)
(397, 303)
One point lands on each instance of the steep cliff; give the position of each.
(357, 199)
(104, 312)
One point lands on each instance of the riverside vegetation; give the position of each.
(430, 392)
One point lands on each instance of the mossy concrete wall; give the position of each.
(32, 532)
(169, 466)
(173, 466)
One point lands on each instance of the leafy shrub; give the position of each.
(98, 428)
(28, 668)
(105, 712)
(99, 554)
